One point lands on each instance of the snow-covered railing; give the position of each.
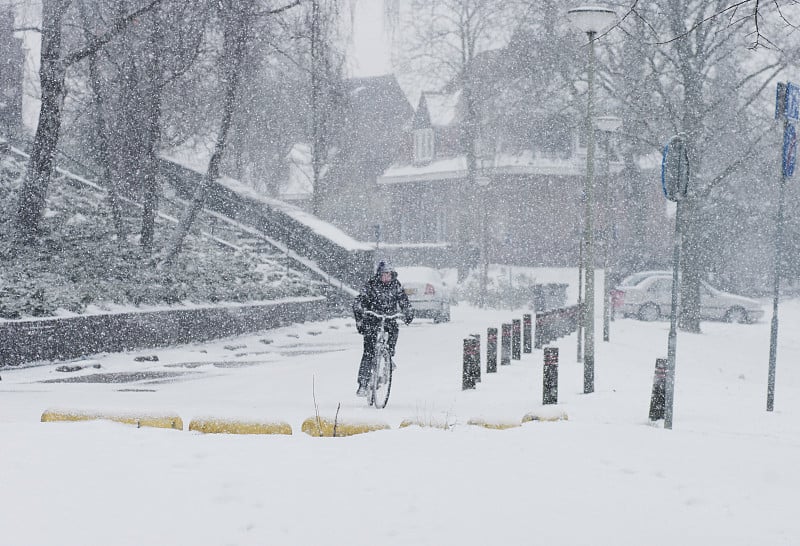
(333, 252)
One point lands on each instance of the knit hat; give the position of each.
(384, 267)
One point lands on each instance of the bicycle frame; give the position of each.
(381, 378)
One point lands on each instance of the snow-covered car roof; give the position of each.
(419, 274)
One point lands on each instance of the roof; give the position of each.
(523, 163)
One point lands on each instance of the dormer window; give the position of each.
(423, 145)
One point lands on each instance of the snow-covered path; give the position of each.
(727, 473)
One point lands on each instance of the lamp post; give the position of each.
(483, 180)
(591, 20)
(608, 125)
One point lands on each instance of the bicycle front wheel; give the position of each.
(380, 382)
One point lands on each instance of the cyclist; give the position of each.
(381, 294)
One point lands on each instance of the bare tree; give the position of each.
(55, 61)
(237, 18)
(694, 85)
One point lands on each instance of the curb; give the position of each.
(321, 427)
(231, 426)
(557, 416)
(425, 424)
(156, 421)
(493, 425)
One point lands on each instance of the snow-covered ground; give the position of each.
(727, 473)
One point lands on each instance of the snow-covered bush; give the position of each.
(79, 262)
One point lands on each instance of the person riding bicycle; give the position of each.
(381, 294)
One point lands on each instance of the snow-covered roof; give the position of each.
(523, 163)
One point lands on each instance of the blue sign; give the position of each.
(792, 111)
(787, 101)
(789, 150)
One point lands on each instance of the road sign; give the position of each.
(787, 101)
(675, 169)
(789, 150)
(792, 110)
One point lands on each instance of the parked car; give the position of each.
(651, 298)
(426, 291)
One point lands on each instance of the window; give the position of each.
(423, 145)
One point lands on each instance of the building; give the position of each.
(528, 191)
(377, 115)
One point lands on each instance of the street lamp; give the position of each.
(591, 20)
(608, 125)
(483, 180)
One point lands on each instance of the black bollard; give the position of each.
(471, 352)
(516, 339)
(658, 397)
(526, 334)
(505, 345)
(476, 371)
(491, 350)
(538, 338)
(550, 376)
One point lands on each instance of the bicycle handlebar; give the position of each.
(387, 317)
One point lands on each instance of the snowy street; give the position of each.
(604, 476)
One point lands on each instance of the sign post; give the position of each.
(787, 108)
(675, 183)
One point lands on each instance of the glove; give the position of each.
(360, 326)
(408, 318)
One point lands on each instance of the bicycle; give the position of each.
(380, 379)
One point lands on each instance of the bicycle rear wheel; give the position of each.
(380, 383)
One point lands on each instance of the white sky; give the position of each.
(370, 55)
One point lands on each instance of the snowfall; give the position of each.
(599, 473)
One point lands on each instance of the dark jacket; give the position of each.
(381, 298)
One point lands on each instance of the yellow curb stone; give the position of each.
(157, 421)
(325, 427)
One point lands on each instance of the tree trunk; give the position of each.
(33, 192)
(151, 188)
(101, 136)
(234, 48)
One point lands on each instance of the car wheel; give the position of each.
(649, 312)
(736, 315)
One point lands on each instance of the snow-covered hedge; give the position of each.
(78, 264)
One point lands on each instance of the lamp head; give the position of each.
(608, 124)
(592, 19)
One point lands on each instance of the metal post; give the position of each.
(580, 300)
(606, 288)
(516, 339)
(476, 361)
(471, 352)
(484, 281)
(659, 387)
(505, 345)
(491, 350)
(773, 334)
(550, 376)
(588, 343)
(526, 334)
(672, 341)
